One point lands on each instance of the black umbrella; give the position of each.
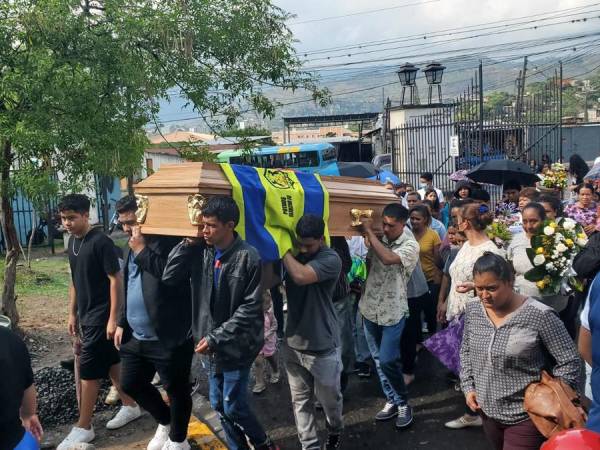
(499, 171)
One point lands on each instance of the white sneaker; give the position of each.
(112, 397)
(170, 445)
(160, 438)
(464, 421)
(259, 387)
(77, 436)
(125, 415)
(275, 377)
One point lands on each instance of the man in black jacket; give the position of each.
(154, 332)
(227, 316)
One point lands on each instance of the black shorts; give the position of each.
(98, 354)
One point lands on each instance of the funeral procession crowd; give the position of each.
(505, 295)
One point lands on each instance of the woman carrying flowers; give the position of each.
(533, 216)
(583, 211)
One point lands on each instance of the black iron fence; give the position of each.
(28, 220)
(443, 139)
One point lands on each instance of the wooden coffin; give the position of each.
(168, 200)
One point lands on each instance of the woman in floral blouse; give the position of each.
(583, 211)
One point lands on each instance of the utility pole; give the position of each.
(560, 111)
(586, 89)
(481, 109)
(521, 90)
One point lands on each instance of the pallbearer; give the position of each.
(313, 352)
(227, 315)
(154, 334)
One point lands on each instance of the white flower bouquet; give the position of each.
(552, 251)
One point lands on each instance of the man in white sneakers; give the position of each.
(154, 333)
(94, 297)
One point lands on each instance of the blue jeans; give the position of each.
(229, 397)
(384, 344)
(27, 443)
(593, 422)
(361, 349)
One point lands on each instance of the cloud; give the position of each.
(428, 17)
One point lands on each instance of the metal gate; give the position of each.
(529, 129)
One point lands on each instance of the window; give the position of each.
(308, 159)
(149, 166)
(328, 154)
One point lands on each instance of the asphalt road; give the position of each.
(433, 399)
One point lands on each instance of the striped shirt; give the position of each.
(499, 363)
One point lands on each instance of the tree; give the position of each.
(79, 79)
(245, 132)
(495, 102)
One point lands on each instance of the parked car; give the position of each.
(380, 160)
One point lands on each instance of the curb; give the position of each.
(205, 426)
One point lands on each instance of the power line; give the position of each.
(449, 41)
(448, 31)
(379, 86)
(377, 71)
(583, 49)
(362, 13)
(536, 42)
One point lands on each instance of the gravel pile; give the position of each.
(57, 402)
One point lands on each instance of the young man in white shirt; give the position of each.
(426, 182)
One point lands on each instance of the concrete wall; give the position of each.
(158, 159)
(583, 140)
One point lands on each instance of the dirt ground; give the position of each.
(43, 307)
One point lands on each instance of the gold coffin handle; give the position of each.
(195, 204)
(142, 208)
(358, 213)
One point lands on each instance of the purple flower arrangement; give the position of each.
(580, 215)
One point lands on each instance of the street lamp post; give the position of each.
(433, 73)
(407, 75)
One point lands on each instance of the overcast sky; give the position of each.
(428, 16)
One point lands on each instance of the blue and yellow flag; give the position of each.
(271, 202)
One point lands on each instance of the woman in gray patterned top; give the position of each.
(508, 340)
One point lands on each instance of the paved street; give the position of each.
(433, 399)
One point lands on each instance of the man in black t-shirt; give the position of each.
(19, 423)
(94, 299)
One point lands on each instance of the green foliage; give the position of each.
(246, 132)
(573, 101)
(78, 83)
(496, 101)
(197, 153)
(47, 277)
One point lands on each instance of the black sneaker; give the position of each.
(269, 445)
(388, 412)
(333, 441)
(364, 370)
(405, 416)
(68, 364)
(452, 378)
